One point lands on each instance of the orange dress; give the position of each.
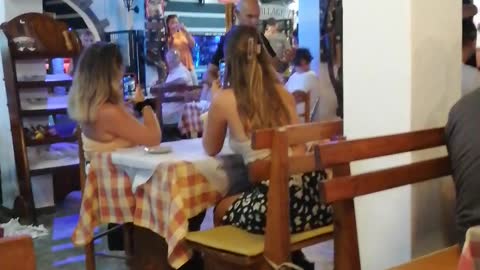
(179, 42)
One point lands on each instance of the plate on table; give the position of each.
(159, 149)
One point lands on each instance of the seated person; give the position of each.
(305, 79)
(463, 144)
(256, 100)
(178, 74)
(95, 101)
(470, 74)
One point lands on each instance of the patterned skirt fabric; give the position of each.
(248, 212)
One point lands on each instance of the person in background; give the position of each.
(247, 13)
(304, 79)
(178, 74)
(256, 100)
(470, 75)
(182, 41)
(87, 39)
(277, 39)
(463, 145)
(96, 102)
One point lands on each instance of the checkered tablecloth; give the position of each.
(470, 258)
(191, 123)
(163, 204)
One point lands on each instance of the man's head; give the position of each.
(302, 60)
(272, 25)
(87, 38)
(469, 38)
(248, 12)
(173, 58)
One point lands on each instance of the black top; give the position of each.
(218, 56)
(463, 144)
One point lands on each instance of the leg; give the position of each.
(90, 256)
(222, 209)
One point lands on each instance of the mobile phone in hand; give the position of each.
(129, 84)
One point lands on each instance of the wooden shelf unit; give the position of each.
(44, 38)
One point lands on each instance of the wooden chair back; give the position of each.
(278, 169)
(342, 190)
(303, 97)
(81, 158)
(17, 253)
(183, 94)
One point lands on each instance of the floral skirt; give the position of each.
(248, 212)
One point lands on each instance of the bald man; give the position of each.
(247, 13)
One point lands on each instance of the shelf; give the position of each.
(41, 112)
(50, 140)
(50, 81)
(27, 55)
(49, 166)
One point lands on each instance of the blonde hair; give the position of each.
(249, 72)
(96, 81)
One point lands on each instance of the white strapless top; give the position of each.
(245, 150)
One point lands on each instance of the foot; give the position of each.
(299, 259)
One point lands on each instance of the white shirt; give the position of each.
(470, 79)
(309, 82)
(172, 111)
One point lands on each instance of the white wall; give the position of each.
(401, 73)
(116, 13)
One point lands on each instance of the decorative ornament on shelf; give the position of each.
(129, 5)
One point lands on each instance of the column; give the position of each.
(401, 73)
(309, 29)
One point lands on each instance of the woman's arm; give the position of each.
(216, 125)
(115, 120)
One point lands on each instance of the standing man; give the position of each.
(247, 13)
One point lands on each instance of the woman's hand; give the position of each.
(138, 96)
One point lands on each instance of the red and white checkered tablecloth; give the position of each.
(470, 258)
(164, 204)
(191, 122)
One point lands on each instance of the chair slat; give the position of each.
(298, 134)
(348, 151)
(260, 170)
(346, 188)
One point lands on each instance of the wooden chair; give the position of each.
(184, 94)
(17, 253)
(127, 227)
(227, 247)
(340, 191)
(303, 97)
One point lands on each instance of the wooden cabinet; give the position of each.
(36, 37)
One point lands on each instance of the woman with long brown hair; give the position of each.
(254, 99)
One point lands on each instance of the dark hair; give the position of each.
(167, 20)
(302, 54)
(469, 32)
(271, 22)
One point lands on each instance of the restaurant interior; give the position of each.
(235, 134)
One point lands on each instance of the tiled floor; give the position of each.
(57, 252)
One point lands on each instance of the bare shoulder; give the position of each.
(109, 112)
(224, 98)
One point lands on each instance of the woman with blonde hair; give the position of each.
(96, 102)
(253, 99)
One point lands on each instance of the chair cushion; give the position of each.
(238, 241)
(445, 259)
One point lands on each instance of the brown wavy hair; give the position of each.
(249, 72)
(97, 80)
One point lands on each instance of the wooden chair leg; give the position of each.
(90, 256)
(128, 244)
